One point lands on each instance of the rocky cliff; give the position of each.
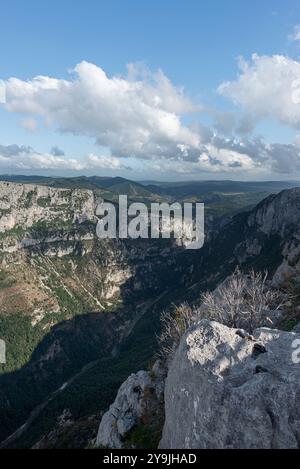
(24, 205)
(224, 390)
(276, 217)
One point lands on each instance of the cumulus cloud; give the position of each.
(267, 86)
(2, 92)
(8, 151)
(139, 115)
(217, 155)
(232, 156)
(15, 157)
(295, 36)
(105, 162)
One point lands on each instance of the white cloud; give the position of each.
(2, 92)
(219, 155)
(211, 160)
(228, 159)
(139, 115)
(235, 157)
(104, 162)
(267, 86)
(15, 157)
(48, 161)
(295, 36)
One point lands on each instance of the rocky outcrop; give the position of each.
(137, 401)
(277, 214)
(23, 205)
(290, 266)
(273, 227)
(226, 389)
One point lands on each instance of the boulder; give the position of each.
(227, 389)
(137, 401)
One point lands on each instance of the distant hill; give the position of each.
(221, 198)
(180, 190)
(108, 187)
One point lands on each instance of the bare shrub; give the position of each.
(241, 301)
(174, 324)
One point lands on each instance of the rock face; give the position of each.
(26, 204)
(226, 389)
(275, 221)
(137, 401)
(51, 259)
(290, 266)
(278, 213)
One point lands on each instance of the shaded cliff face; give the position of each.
(277, 216)
(138, 405)
(266, 238)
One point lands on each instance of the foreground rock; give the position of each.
(137, 401)
(226, 389)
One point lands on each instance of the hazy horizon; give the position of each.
(142, 181)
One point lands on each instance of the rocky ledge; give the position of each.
(226, 389)
(137, 402)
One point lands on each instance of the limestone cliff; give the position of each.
(228, 391)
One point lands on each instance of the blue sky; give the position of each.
(195, 43)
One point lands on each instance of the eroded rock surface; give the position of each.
(226, 389)
(137, 401)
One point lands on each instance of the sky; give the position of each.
(165, 90)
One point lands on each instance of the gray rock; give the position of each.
(24, 205)
(224, 390)
(276, 217)
(278, 213)
(137, 399)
